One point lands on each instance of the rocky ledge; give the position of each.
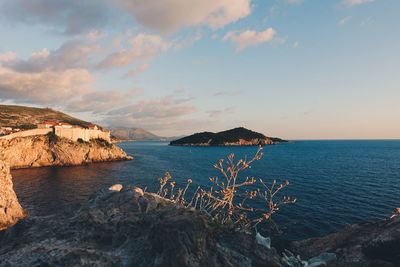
(10, 209)
(129, 227)
(371, 244)
(50, 150)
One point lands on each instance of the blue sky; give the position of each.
(308, 69)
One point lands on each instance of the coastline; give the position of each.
(43, 151)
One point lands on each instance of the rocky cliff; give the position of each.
(49, 150)
(10, 209)
(129, 228)
(370, 244)
(124, 226)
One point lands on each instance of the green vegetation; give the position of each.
(101, 142)
(28, 117)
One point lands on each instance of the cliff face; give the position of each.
(38, 151)
(10, 209)
(130, 228)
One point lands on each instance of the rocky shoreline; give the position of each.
(48, 150)
(124, 226)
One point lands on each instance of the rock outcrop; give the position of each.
(361, 245)
(50, 150)
(10, 209)
(124, 226)
(127, 227)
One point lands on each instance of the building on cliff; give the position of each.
(65, 130)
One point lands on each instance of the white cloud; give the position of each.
(171, 15)
(356, 2)
(228, 93)
(8, 56)
(218, 112)
(249, 38)
(141, 46)
(344, 21)
(47, 87)
(98, 102)
(95, 35)
(72, 54)
(133, 73)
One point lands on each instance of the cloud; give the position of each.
(153, 114)
(133, 73)
(95, 35)
(71, 16)
(47, 87)
(99, 102)
(156, 108)
(228, 93)
(356, 2)
(141, 46)
(171, 15)
(72, 54)
(344, 21)
(7, 57)
(218, 113)
(293, 2)
(249, 38)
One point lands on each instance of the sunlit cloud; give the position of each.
(249, 38)
(172, 15)
(356, 2)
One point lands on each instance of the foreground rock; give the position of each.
(49, 150)
(364, 245)
(10, 209)
(129, 228)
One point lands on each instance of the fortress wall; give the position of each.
(27, 133)
(84, 134)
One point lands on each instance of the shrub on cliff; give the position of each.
(53, 138)
(101, 142)
(230, 200)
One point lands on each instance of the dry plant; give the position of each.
(226, 199)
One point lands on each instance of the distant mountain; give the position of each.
(136, 134)
(234, 137)
(28, 117)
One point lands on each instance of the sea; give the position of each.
(336, 183)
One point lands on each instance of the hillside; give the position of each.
(136, 134)
(234, 137)
(27, 117)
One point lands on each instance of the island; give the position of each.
(235, 137)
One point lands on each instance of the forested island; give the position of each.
(235, 137)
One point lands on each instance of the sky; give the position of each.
(295, 69)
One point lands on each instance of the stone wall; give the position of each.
(80, 133)
(27, 133)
